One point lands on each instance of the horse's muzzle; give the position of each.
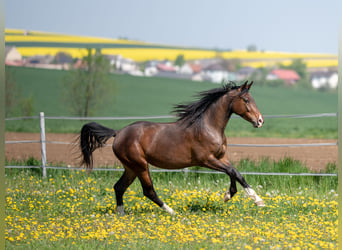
(259, 122)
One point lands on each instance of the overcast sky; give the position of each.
(291, 26)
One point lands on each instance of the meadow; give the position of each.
(143, 96)
(75, 210)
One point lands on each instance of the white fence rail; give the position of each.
(43, 143)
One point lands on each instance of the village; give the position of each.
(214, 70)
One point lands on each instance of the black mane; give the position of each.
(192, 113)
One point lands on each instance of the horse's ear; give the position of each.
(249, 85)
(243, 86)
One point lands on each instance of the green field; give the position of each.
(142, 96)
(75, 210)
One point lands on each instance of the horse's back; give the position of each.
(160, 144)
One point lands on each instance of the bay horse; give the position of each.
(196, 138)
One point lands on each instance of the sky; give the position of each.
(288, 26)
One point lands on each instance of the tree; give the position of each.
(85, 87)
(299, 66)
(251, 48)
(232, 65)
(180, 60)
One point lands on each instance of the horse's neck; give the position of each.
(219, 114)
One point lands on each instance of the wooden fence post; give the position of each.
(43, 142)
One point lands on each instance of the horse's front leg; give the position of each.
(234, 175)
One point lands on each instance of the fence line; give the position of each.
(43, 142)
(184, 171)
(228, 144)
(158, 117)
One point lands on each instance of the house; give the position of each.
(190, 69)
(245, 72)
(125, 65)
(186, 69)
(166, 67)
(151, 68)
(196, 68)
(39, 59)
(13, 56)
(79, 64)
(324, 79)
(63, 58)
(289, 76)
(113, 59)
(217, 73)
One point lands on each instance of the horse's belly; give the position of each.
(169, 164)
(169, 157)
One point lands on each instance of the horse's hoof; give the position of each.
(227, 196)
(168, 209)
(260, 203)
(120, 210)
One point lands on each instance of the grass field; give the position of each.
(74, 210)
(142, 96)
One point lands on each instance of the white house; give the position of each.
(186, 69)
(217, 73)
(324, 80)
(122, 64)
(13, 56)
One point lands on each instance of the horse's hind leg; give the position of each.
(150, 193)
(120, 187)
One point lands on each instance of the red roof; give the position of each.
(286, 74)
(164, 67)
(196, 68)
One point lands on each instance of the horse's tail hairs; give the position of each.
(93, 136)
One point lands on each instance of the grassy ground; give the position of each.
(142, 96)
(76, 210)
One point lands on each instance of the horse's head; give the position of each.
(244, 105)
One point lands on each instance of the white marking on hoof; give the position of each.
(168, 209)
(260, 203)
(120, 210)
(227, 196)
(252, 194)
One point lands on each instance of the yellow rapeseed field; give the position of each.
(143, 51)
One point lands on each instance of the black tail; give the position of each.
(93, 136)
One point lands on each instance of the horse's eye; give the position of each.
(245, 100)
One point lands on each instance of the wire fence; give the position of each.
(43, 143)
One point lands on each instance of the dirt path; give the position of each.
(315, 158)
